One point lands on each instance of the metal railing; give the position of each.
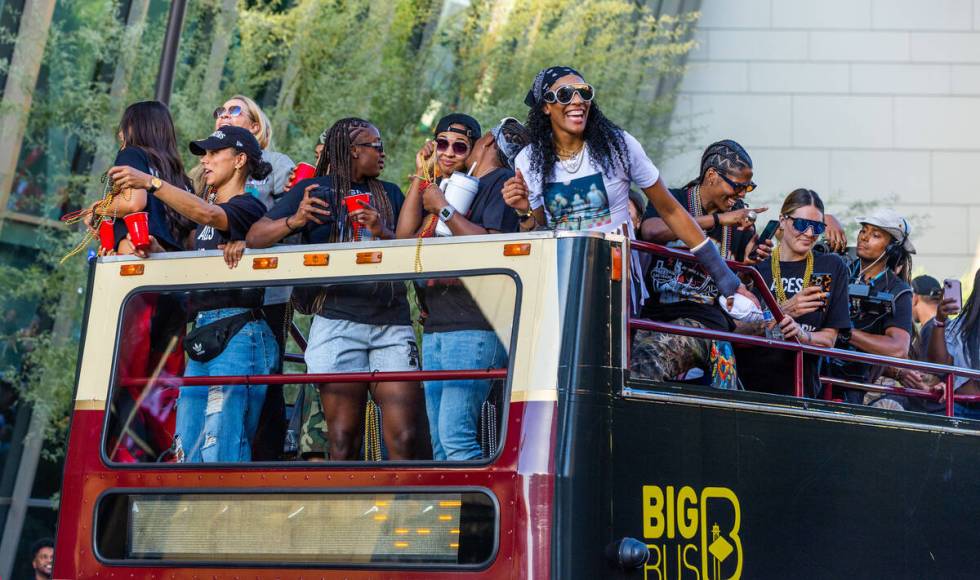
(800, 349)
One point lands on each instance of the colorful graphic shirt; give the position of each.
(588, 199)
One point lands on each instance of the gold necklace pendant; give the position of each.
(777, 278)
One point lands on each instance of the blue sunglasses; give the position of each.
(802, 225)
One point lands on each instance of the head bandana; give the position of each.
(543, 81)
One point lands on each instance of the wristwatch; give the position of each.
(446, 213)
(523, 215)
(155, 184)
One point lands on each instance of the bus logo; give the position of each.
(691, 535)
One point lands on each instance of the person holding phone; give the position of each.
(356, 327)
(810, 287)
(957, 342)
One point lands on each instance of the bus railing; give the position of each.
(800, 349)
(319, 378)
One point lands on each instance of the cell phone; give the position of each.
(952, 289)
(824, 281)
(767, 233)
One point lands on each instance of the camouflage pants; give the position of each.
(663, 357)
(313, 432)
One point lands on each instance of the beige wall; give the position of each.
(857, 99)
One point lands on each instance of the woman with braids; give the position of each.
(813, 286)
(957, 342)
(457, 335)
(357, 327)
(219, 423)
(681, 293)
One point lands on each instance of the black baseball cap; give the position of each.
(228, 136)
(926, 286)
(472, 126)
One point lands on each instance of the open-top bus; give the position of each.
(588, 472)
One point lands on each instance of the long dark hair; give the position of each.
(337, 161)
(967, 324)
(149, 126)
(607, 146)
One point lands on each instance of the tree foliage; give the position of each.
(399, 63)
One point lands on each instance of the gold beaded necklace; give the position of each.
(777, 277)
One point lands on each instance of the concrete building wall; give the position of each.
(858, 99)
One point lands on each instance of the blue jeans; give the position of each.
(218, 423)
(454, 406)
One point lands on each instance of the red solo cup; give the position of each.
(139, 229)
(301, 172)
(107, 235)
(352, 203)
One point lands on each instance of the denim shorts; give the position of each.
(342, 346)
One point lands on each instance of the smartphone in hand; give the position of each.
(953, 289)
(767, 233)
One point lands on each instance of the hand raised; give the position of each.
(516, 193)
(311, 209)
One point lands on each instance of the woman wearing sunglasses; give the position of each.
(360, 327)
(241, 111)
(577, 170)
(811, 287)
(680, 293)
(457, 335)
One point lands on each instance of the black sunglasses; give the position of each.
(233, 111)
(802, 225)
(747, 187)
(459, 147)
(378, 146)
(563, 94)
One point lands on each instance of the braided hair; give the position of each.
(725, 155)
(337, 162)
(607, 147)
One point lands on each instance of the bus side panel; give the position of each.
(753, 493)
(521, 479)
(74, 537)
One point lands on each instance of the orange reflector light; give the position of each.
(616, 274)
(316, 259)
(445, 517)
(401, 544)
(131, 270)
(401, 531)
(265, 263)
(450, 503)
(517, 249)
(423, 531)
(380, 518)
(369, 257)
(454, 545)
(454, 532)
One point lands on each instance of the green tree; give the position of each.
(400, 64)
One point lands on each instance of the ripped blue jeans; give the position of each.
(217, 424)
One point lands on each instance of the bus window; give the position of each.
(405, 369)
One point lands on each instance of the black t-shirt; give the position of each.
(450, 306)
(368, 303)
(771, 370)
(242, 211)
(876, 323)
(156, 213)
(683, 289)
(925, 335)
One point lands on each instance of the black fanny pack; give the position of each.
(206, 342)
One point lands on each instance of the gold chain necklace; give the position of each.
(777, 278)
(570, 161)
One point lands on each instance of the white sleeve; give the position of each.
(643, 172)
(523, 163)
(957, 351)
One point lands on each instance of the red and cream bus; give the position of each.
(588, 472)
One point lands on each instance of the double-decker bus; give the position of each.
(588, 472)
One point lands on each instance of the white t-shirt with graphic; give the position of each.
(589, 199)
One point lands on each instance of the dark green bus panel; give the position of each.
(723, 484)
